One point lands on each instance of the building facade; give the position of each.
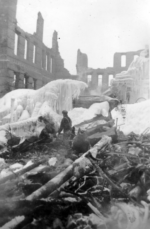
(101, 77)
(25, 62)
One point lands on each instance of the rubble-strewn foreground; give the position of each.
(98, 178)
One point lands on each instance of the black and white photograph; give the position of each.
(74, 114)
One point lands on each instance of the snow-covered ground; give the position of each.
(137, 117)
(80, 114)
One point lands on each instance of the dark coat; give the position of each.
(65, 125)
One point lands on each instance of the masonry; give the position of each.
(25, 62)
(102, 76)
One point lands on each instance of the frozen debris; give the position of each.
(29, 163)
(103, 188)
(25, 115)
(137, 118)
(2, 163)
(79, 115)
(58, 95)
(16, 166)
(52, 161)
(148, 194)
(134, 151)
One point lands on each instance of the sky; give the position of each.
(98, 28)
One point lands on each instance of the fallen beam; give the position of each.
(15, 175)
(81, 164)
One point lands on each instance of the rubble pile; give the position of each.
(61, 187)
(96, 178)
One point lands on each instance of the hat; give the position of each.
(64, 112)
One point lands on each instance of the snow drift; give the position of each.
(137, 117)
(80, 114)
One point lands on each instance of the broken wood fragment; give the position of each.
(15, 175)
(65, 175)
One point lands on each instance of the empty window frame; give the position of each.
(25, 49)
(34, 53)
(15, 83)
(46, 62)
(16, 44)
(51, 65)
(100, 80)
(89, 79)
(43, 59)
(110, 79)
(34, 84)
(123, 61)
(25, 81)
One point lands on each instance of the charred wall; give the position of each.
(25, 62)
(121, 62)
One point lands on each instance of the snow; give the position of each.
(25, 115)
(100, 108)
(13, 168)
(52, 161)
(90, 125)
(137, 117)
(2, 163)
(3, 138)
(16, 166)
(28, 164)
(48, 112)
(79, 115)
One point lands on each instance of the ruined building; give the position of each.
(25, 62)
(101, 77)
(133, 85)
(127, 80)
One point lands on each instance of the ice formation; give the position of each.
(134, 81)
(57, 95)
(20, 108)
(137, 118)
